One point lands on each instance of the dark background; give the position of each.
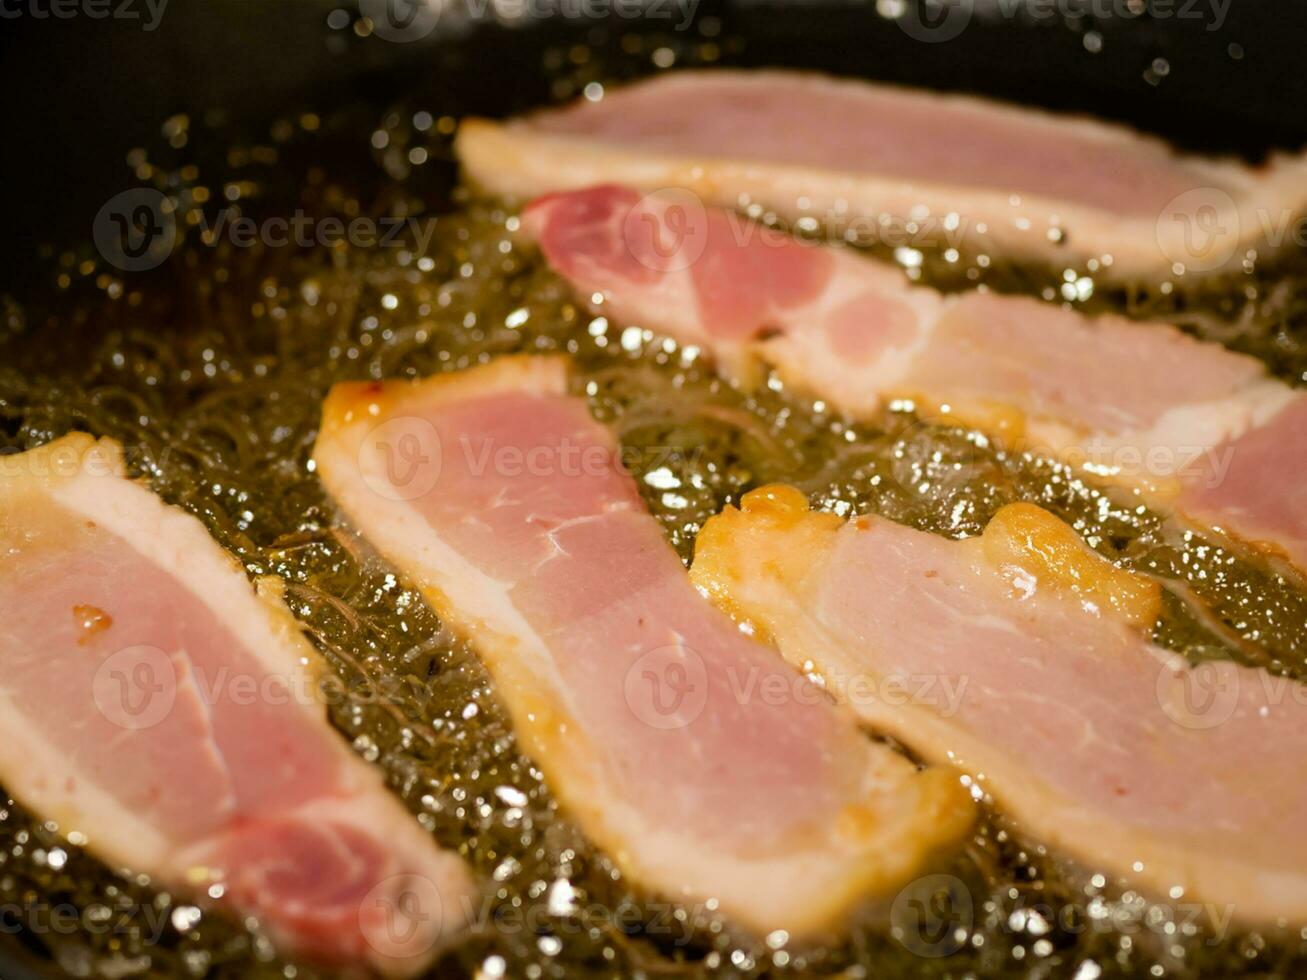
(79, 92)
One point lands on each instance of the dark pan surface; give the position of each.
(93, 88)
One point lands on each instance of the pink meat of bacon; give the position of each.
(964, 172)
(705, 767)
(1198, 428)
(1024, 658)
(157, 705)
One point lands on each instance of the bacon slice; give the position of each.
(1252, 483)
(857, 156)
(705, 767)
(152, 701)
(1097, 741)
(1196, 427)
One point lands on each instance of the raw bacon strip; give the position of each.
(1253, 484)
(1197, 427)
(704, 766)
(1093, 738)
(963, 172)
(152, 701)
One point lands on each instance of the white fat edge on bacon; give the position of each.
(461, 592)
(457, 587)
(36, 774)
(518, 159)
(1184, 443)
(478, 606)
(87, 478)
(759, 576)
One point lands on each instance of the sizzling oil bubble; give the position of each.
(211, 373)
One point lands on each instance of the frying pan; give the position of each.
(81, 91)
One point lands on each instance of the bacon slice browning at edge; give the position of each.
(688, 751)
(1094, 739)
(153, 702)
(855, 156)
(1198, 428)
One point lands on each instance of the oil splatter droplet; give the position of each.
(91, 620)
